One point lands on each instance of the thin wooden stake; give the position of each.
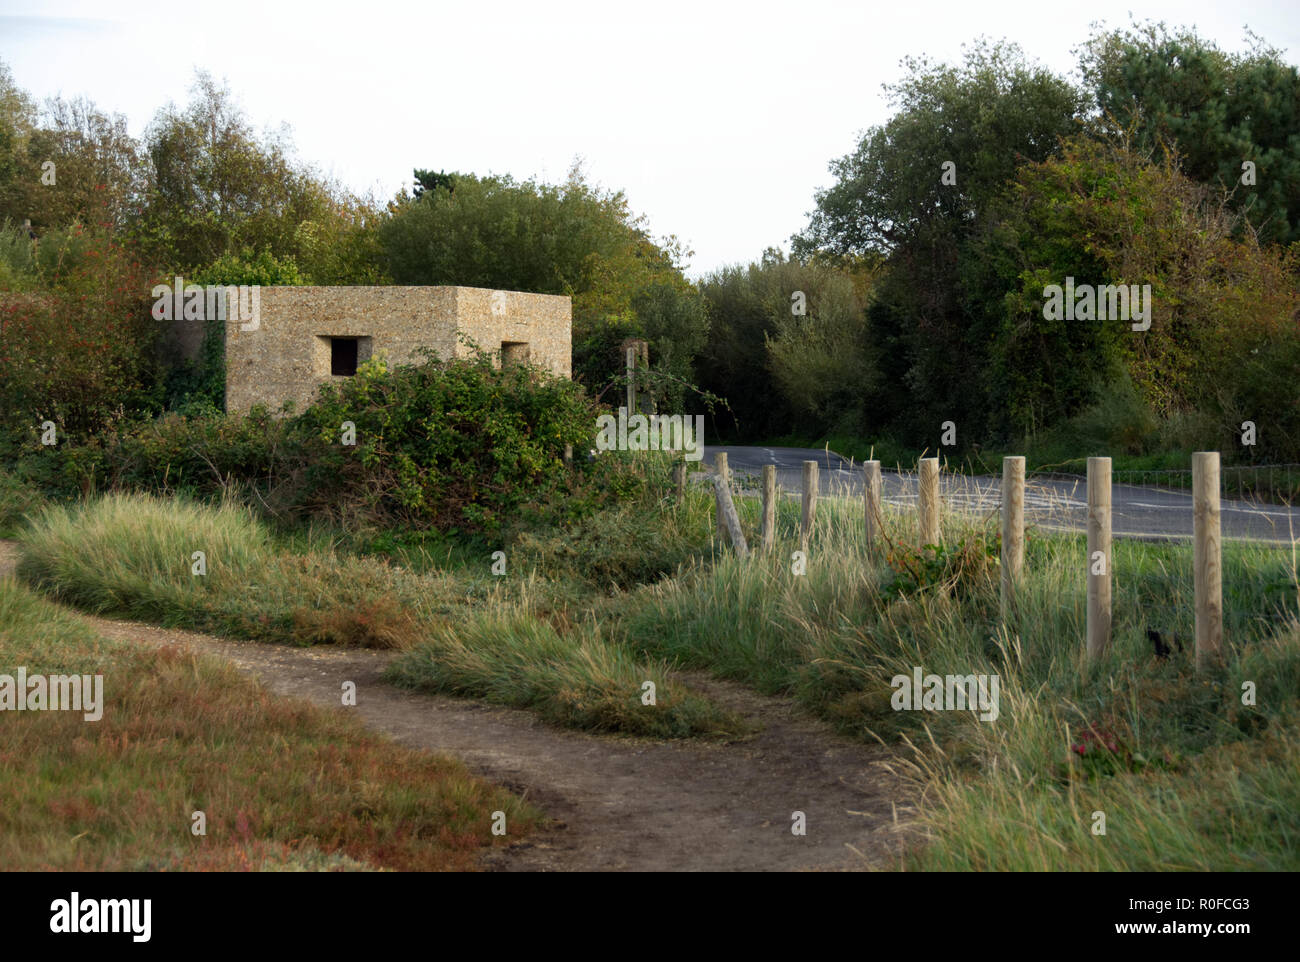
(723, 472)
(1207, 558)
(631, 381)
(1013, 530)
(1099, 568)
(727, 515)
(872, 511)
(928, 501)
(767, 536)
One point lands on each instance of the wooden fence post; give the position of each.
(928, 501)
(872, 511)
(1099, 567)
(723, 472)
(679, 480)
(1207, 558)
(728, 517)
(1013, 530)
(767, 536)
(810, 488)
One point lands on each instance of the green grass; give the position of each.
(576, 679)
(18, 500)
(284, 785)
(1196, 780)
(131, 555)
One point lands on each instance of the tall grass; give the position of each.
(513, 657)
(1189, 776)
(132, 555)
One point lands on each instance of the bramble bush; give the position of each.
(456, 445)
(453, 444)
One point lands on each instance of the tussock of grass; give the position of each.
(130, 555)
(512, 657)
(18, 499)
(285, 786)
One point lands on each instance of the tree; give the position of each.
(571, 238)
(427, 180)
(1216, 109)
(674, 320)
(17, 120)
(1223, 308)
(216, 187)
(986, 117)
(95, 168)
(788, 346)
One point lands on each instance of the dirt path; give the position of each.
(617, 803)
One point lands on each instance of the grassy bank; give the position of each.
(1187, 773)
(133, 556)
(1188, 776)
(284, 786)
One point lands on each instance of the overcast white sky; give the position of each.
(717, 120)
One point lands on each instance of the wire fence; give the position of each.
(1264, 483)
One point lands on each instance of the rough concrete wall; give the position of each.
(542, 321)
(287, 358)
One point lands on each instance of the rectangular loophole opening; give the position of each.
(514, 352)
(343, 356)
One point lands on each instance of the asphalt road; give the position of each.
(1050, 502)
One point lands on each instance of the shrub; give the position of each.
(452, 444)
(199, 455)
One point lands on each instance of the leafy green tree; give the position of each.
(1106, 213)
(674, 320)
(570, 238)
(428, 180)
(215, 186)
(17, 121)
(341, 246)
(1218, 109)
(260, 268)
(80, 352)
(788, 346)
(96, 167)
(986, 117)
